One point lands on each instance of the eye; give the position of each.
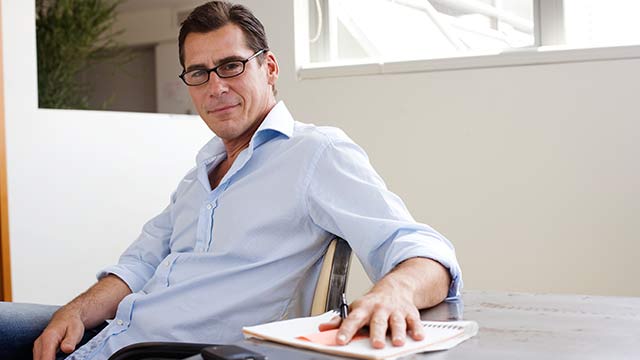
(197, 74)
(230, 67)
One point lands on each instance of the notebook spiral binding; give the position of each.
(443, 326)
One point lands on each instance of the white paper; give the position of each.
(439, 335)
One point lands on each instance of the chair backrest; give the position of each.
(332, 281)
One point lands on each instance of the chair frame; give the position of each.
(332, 281)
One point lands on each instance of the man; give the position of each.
(242, 238)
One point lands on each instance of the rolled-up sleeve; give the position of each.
(139, 262)
(346, 197)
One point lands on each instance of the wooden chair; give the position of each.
(332, 281)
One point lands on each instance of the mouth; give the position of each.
(221, 109)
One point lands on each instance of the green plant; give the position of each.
(71, 36)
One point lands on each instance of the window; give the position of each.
(344, 33)
(405, 29)
(601, 22)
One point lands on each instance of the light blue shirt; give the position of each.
(249, 251)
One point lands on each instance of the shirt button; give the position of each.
(167, 263)
(209, 206)
(119, 322)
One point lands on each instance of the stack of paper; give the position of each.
(303, 333)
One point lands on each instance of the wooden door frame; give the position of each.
(5, 264)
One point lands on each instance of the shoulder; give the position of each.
(319, 135)
(328, 143)
(188, 181)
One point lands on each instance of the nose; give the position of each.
(216, 86)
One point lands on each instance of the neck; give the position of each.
(234, 149)
(235, 146)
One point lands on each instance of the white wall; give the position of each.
(171, 96)
(531, 171)
(81, 183)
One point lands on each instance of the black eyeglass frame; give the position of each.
(215, 69)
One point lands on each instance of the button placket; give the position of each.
(167, 269)
(204, 222)
(212, 209)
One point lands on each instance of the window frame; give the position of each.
(548, 49)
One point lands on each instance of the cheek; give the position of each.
(193, 94)
(198, 97)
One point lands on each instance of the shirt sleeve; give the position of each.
(348, 198)
(139, 262)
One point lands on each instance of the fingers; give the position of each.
(378, 328)
(415, 328)
(72, 337)
(398, 325)
(383, 314)
(349, 327)
(331, 324)
(63, 332)
(46, 346)
(382, 319)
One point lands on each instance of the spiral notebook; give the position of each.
(303, 333)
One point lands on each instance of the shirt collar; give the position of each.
(277, 122)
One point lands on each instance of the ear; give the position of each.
(272, 68)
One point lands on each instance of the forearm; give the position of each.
(90, 309)
(393, 303)
(99, 302)
(425, 281)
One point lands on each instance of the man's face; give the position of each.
(233, 107)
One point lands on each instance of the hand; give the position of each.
(393, 303)
(381, 309)
(64, 332)
(88, 310)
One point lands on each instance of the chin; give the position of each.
(226, 132)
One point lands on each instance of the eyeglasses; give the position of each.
(225, 70)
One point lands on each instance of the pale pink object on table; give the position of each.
(328, 337)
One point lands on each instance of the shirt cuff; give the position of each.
(438, 251)
(133, 279)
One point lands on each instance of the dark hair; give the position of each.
(216, 14)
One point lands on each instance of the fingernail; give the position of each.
(342, 338)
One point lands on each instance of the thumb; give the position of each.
(72, 337)
(334, 323)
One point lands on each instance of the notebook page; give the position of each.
(438, 336)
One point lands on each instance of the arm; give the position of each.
(90, 309)
(136, 266)
(412, 265)
(394, 301)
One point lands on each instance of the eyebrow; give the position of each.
(218, 63)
